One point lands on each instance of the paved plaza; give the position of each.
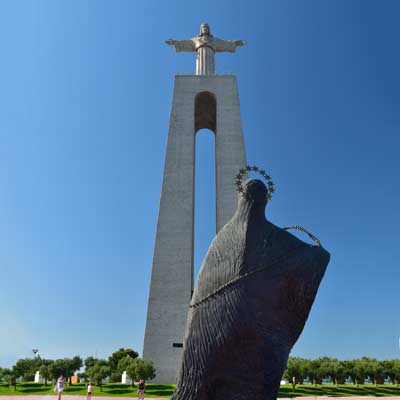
(69, 397)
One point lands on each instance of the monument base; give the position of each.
(199, 102)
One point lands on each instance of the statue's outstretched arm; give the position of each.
(228, 45)
(182, 45)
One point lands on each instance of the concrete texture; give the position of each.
(252, 299)
(199, 102)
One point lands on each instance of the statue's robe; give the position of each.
(253, 296)
(206, 46)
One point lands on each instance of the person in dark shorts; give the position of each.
(89, 391)
(141, 389)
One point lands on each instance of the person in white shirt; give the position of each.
(89, 391)
(60, 386)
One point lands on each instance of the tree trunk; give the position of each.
(132, 382)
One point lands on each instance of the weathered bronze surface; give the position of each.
(253, 296)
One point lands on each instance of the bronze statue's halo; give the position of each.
(248, 168)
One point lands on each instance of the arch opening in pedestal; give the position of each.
(204, 197)
(205, 111)
(205, 177)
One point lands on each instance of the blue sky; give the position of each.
(85, 95)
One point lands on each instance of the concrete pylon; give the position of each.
(199, 102)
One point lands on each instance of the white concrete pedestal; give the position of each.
(199, 102)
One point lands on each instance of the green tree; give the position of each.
(396, 371)
(83, 376)
(375, 369)
(387, 366)
(294, 371)
(361, 370)
(127, 364)
(144, 369)
(137, 368)
(73, 364)
(99, 371)
(25, 368)
(323, 368)
(338, 371)
(10, 376)
(315, 371)
(57, 368)
(308, 369)
(45, 370)
(114, 360)
(91, 361)
(65, 366)
(348, 366)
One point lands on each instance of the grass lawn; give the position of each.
(110, 389)
(158, 390)
(340, 390)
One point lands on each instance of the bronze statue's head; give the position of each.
(205, 30)
(254, 190)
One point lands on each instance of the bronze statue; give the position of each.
(253, 295)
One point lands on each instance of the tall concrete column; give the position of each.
(199, 102)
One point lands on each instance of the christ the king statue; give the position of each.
(205, 45)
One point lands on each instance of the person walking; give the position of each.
(60, 386)
(89, 391)
(141, 389)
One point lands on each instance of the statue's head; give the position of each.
(255, 190)
(205, 30)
